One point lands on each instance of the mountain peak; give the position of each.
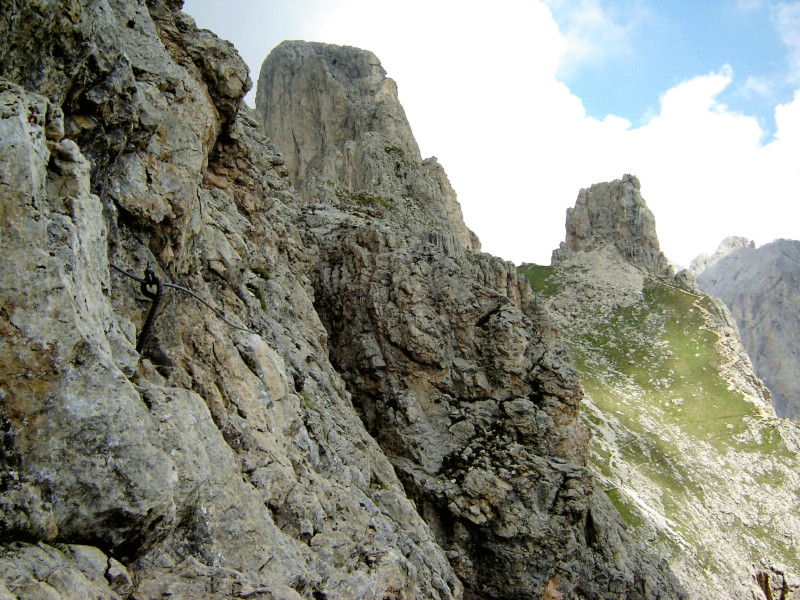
(348, 140)
(728, 245)
(615, 214)
(759, 285)
(346, 94)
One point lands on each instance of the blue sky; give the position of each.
(524, 102)
(656, 45)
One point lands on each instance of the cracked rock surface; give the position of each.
(396, 420)
(451, 365)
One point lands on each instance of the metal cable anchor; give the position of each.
(151, 280)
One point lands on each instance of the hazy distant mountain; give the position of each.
(728, 245)
(761, 286)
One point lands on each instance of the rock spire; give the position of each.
(348, 139)
(614, 214)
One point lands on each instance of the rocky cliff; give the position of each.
(363, 407)
(760, 286)
(348, 141)
(451, 366)
(614, 216)
(685, 442)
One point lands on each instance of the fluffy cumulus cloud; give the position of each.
(480, 85)
(594, 33)
(706, 173)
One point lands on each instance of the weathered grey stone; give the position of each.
(614, 214)
(220, 463)
(662, 365)
(66, 573)
(55, 346)
(352, 146)
(397, 417)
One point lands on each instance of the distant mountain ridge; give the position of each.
(703, 261)
(761, 287)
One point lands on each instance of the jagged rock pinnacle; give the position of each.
(615, 214)
(348, 137)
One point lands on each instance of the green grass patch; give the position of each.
(666, 426)
(396, 150)
(660, 348)
(258, 294)
(629, 513)
(539, 277)
(262, 272)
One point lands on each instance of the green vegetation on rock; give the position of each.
(539, 278)
(685, 454)
(363, 198)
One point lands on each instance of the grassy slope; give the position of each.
(693, 467)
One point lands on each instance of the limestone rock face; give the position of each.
(348, 141)
(614, 214)
(392, 416)
(611, 249)
(219, 463)
(760, 287)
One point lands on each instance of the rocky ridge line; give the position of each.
(728, 245)
(220, 463)
(685, 442)
(452, 366)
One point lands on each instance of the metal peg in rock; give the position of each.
(151, 280)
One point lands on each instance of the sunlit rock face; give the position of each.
(393, 415)
(760, 286)
(337, 119)
(219, 463)
(614, 214)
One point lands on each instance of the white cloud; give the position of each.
(702, 169)
(749, 5)
(757, 87)
(593, 33)
(786, 17)
(479, 85)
